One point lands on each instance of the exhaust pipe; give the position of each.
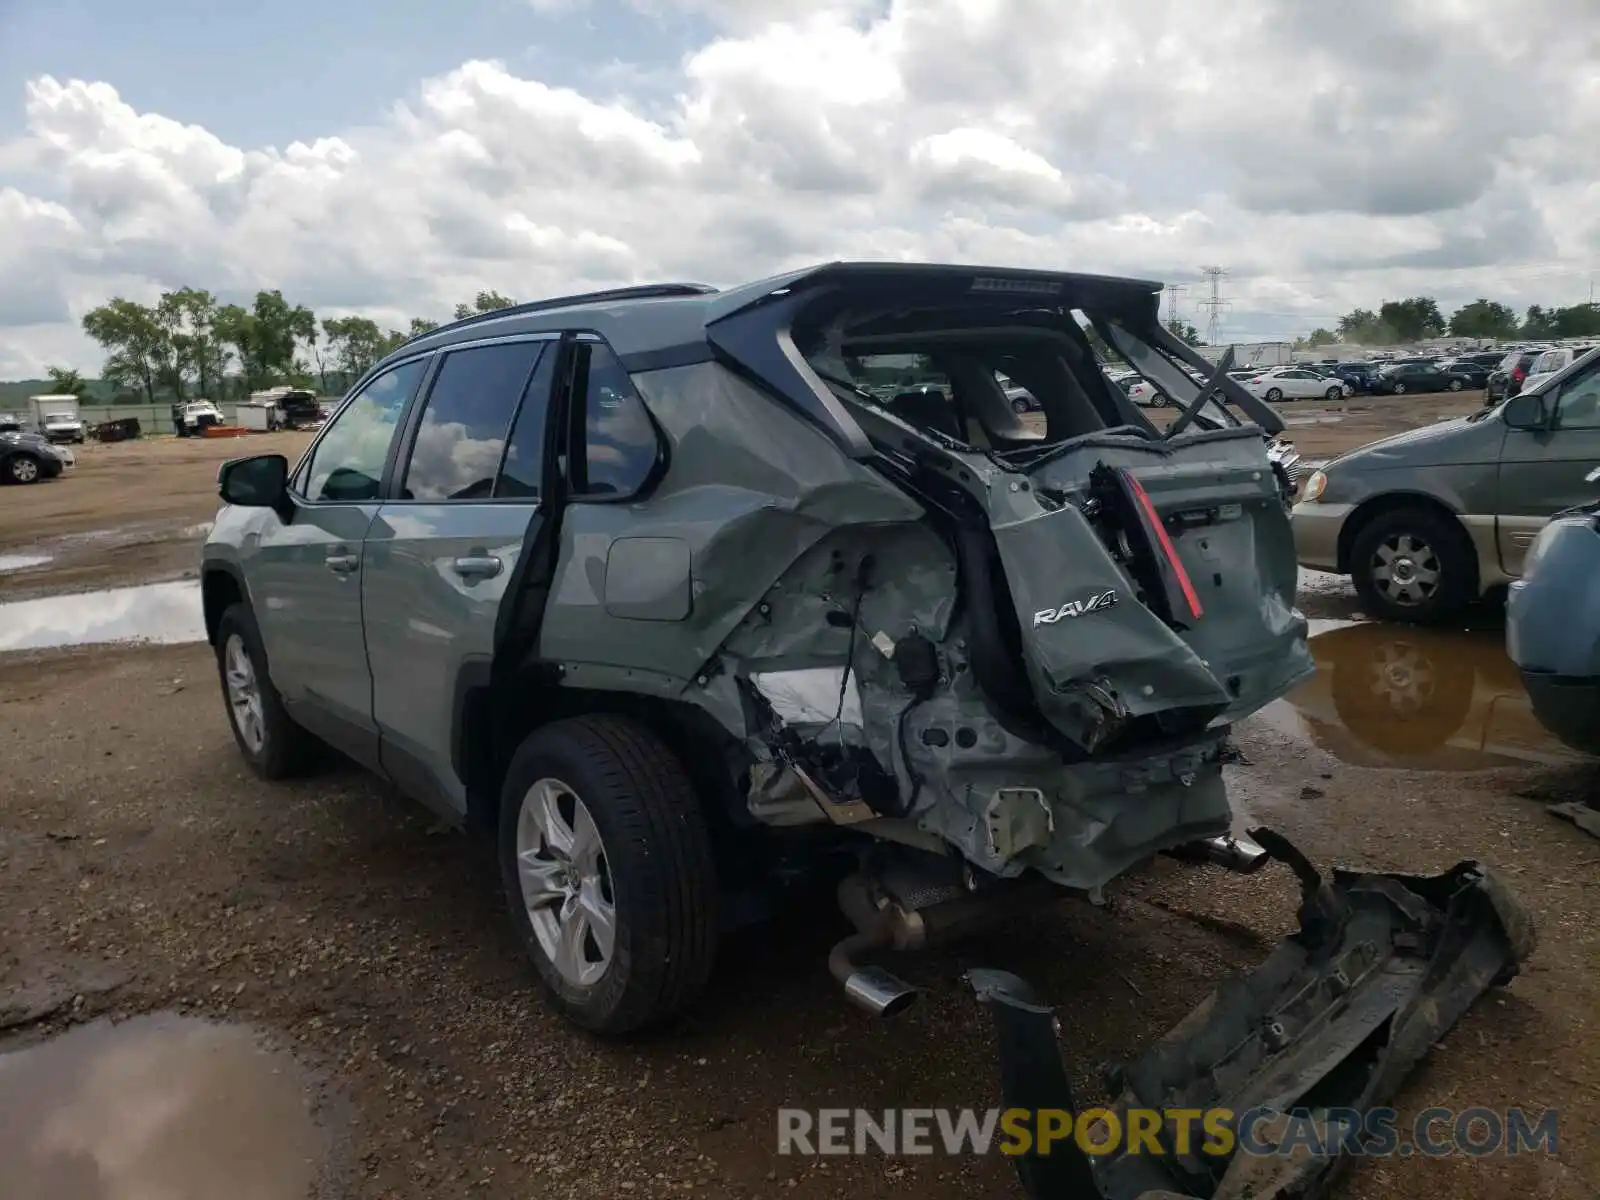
(869, 988)
(1233, 852)
(884, 922)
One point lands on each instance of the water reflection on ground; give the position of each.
(156, 612)
(156, 1106)
(1394, 696)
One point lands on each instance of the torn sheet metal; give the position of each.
(1338, 1015)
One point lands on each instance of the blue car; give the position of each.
(1553, 627)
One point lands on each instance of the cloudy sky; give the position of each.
(391, 157)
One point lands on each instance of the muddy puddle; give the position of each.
(156, 612)
(155, 1107)
(1389, 696)
(23, 562)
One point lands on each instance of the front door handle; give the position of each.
(477, 566)
(342, 562)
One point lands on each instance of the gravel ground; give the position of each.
(139, 856)
(143, 870)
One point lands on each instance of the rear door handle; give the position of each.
(477, 566)
(342, 562)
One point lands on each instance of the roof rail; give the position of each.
(641, 291)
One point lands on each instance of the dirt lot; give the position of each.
(145, 871)
(129, 512)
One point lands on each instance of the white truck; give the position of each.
(56, 418)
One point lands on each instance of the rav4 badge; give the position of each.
(1075, 608)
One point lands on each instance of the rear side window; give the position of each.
(1549, 361)
(620, 443)
(522, 473)
(462, 436)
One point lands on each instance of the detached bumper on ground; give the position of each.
(1332, 1022)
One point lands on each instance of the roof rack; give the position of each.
(642, 291)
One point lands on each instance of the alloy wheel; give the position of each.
(566, 882)
(24, 469)
(244, 694)
(1405, 570)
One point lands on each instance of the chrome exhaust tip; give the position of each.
(876, 991)
(1236, 852)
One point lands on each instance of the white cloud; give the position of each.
(1329, 156)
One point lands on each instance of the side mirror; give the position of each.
(261, 481)
(1526, 412)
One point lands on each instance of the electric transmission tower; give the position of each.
(1172, 302)
(1215, 304)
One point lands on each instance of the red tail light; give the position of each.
(1158, 527)
(1518, 374)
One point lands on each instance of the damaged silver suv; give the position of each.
(682, 591)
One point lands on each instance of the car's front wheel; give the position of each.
(1274, 395)
(1455, 385)
(1019, 406)
(607, 865)
(23, 468)
(1398, 388)
(1335, 393)
(1412, 564)
(268, 737)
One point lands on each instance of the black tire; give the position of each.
(1399, 389)
(1455, 385)
(1274, 395)
(655, 851)
(1433, 543)
(23, 468)
(286, 749)
(1020, 407)
(1335, 393)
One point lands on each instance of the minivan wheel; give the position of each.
(268, 737)
(607, 866)
(1413, 565)
(22, 468)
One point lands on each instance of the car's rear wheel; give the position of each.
(1335, 393)
(1019, 406)
(1455, 385)
(1398, 388)
(23, 468)
(1412, 564)
(268, 737)
(607, 865)
(1274, 395)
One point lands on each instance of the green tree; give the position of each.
(266, 337)
(1184, 332)
(1580, 320)
(421, 325)
(1484, 318)
(189, 315)
(1412, 320)
(1361, 327)
(1322, 337)
(64, 381)
(356, 343)
(484, 302)
(136, 343)
(1538, 323)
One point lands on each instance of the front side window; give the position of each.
(347, 464)
(620, 443)
(462, 436)
(1579, 407)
